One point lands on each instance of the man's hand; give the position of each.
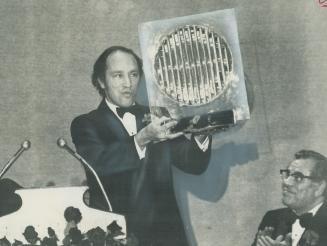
(157, 131)
(264, 238)
(268, 231)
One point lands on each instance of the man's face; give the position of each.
(300, 196)
(122, 78)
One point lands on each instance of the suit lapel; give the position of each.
(320, 219)
(110, 120)
(285, 223)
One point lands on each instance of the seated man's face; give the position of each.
(122, 78)
(300, 196)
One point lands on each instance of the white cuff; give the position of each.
(140, 152)
(204, 145)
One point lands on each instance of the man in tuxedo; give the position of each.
(304, 220)
(132, 159)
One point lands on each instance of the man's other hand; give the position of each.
(157, 131)
(265, 240)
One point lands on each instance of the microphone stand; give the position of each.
(62, 144)
(25, 146)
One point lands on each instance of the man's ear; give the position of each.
(321, 188)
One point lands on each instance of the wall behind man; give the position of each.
(47, 51)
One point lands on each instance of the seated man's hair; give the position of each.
(320, 170)
(100, 66)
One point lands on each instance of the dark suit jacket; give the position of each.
(140, 189)
(283, 218)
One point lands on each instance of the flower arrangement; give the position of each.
(73, 236)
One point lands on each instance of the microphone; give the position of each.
(24, 146)
(62, 144)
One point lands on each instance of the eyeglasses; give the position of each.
(297, 176)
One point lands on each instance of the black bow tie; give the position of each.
(121, 111)
(304, 219)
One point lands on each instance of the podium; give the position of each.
(55, 215)
(45, 207)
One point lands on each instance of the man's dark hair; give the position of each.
(320, 170)
(100, 66)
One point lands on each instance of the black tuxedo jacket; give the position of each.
(140, 189)
(282, 219)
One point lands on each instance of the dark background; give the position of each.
(47, 51)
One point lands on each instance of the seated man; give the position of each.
(304, 220)
(133, 160)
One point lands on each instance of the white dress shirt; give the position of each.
(297, 229)
(129, 122)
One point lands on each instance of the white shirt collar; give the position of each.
(113, 107)
(315, 209)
